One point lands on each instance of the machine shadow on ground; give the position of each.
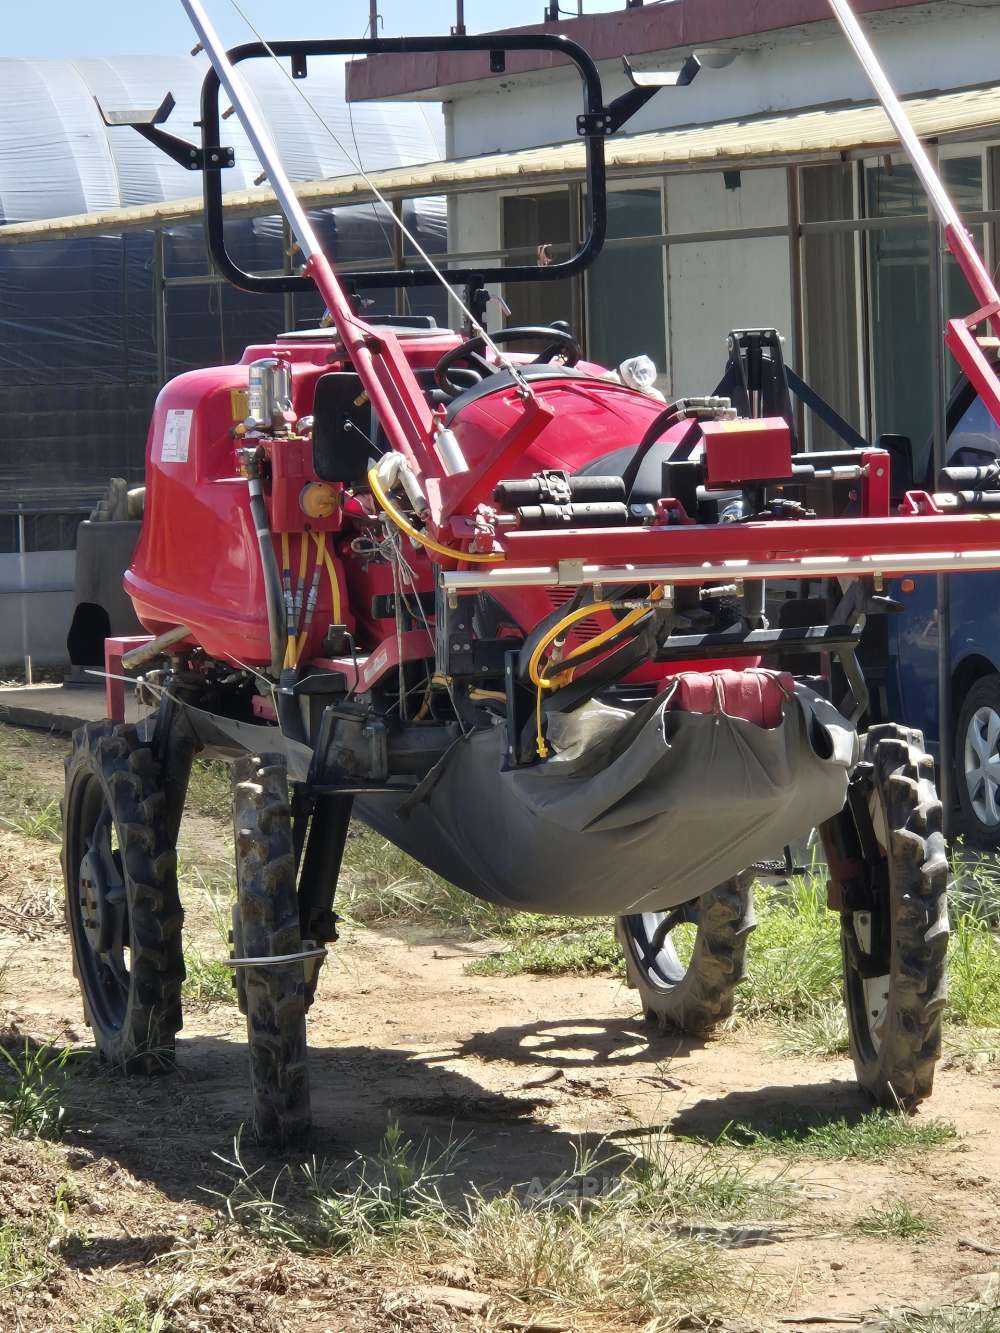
(177, 1130)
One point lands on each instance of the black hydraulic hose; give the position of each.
(670, 415)
(277, 629)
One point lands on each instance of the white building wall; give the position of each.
(715, 286)
(941, 47)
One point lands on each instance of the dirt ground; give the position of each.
(520, 1067)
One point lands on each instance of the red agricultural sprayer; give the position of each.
(576, 648)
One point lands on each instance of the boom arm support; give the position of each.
(959, 336)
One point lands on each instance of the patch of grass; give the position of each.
(875, 1137)
(379, 883)
(705, 1184)
(601, 1239)
(209, 790)
(208, 980)
(131, 1315)
(980, 1317)
(794, 964)
(897, 1221)
(35, 819)
(795, 970)
(32, 1089)
(603, 1258)
(973, 972)
(370, 1204)
(23, 1260)
(815, 1034)
(550, 945)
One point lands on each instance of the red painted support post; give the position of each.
(114, 678)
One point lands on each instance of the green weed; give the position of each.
(973, 972)
(794, 964)
(875, 1137)
(816, 1033)
(981, 1317)
(379, 883)
(208, 981)
(599, 1239)
(598, 1257)
(702, 1183)
(552, 945)
(23, 1259)
(209, 789)
(131, 1315)
(32, 1088)
(370, 1204)
(897, 1221)
(36, 820)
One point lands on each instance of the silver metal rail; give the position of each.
(257, 131)
(573, 575)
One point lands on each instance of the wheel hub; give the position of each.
(982, 765)
(876, 989)
(95, 915)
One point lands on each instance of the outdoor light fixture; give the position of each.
(717, 57)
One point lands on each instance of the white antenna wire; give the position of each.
(477, 328)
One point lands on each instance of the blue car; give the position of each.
(911, 678)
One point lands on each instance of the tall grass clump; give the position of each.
(606, 1238)
(32, 1091)
(380, 884)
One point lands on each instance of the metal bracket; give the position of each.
(146, 122)
(570, 572)
(610, 119)
(278, 959)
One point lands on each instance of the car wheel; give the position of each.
(977, 763)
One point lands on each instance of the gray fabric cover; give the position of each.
(632, 813)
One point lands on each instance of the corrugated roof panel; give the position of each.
(809, 134)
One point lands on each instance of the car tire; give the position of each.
(977, 764)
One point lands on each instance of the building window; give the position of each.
(537, 226)
(626, 312)
(720, 285)
(830, 300)
(899, 294)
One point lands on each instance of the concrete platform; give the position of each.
(56, 708)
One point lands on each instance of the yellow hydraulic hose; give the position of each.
(562, 626)
(405, 526)
(286, 583)
(551, 682)
(323, 554)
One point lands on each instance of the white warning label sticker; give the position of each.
(176, 435)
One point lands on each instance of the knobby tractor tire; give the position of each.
(894, 1017)
(266, 924)
(123, 909)
(696, 998)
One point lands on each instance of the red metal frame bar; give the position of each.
(800, 539)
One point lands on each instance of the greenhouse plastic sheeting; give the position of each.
(79, 365)
(57, 156)
(636, 811)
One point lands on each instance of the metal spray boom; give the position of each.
(959, 336)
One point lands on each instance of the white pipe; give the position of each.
(257, 131)
(929, 179)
